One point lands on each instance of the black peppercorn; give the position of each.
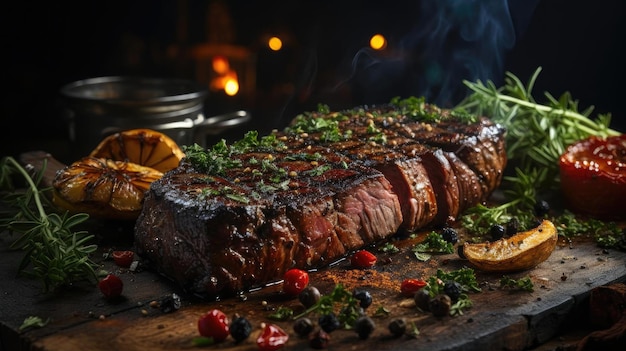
(397, 327)
(329, 322)
(422, 298)
(240, 328)
(364, 326)
(303, 326)
(309, 296)
(453, 289)
(364, 297)
(440, 305)
(497, 232)
(319, 339)
(450, 235)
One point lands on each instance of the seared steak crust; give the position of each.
(329, 184)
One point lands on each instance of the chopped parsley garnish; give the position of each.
(433, 243)
(318, 171)
(225, 191)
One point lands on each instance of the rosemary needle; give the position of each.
(55, 254)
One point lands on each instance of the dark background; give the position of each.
(433, 46)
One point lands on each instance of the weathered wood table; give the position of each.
(501, 319)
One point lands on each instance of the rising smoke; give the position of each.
(451, 41)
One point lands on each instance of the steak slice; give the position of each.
(238, 216)
(230, 233)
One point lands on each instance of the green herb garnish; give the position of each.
(55, 253)
(282, 314)
(433, 243)
(521, 284)
(318, 171)
(33, 322)
(339, 301)
(417, 109)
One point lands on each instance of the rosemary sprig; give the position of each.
(537, 134)
(55, 254)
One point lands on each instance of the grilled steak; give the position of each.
(238, 216)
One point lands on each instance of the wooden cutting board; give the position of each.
(500, 319)
(81, 319)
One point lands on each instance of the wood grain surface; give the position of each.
(81, 319)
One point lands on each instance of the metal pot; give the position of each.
(98, 107)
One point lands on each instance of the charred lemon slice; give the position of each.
(145, 147)
(103, 188)
(522, 251)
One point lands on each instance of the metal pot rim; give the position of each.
(163, 90)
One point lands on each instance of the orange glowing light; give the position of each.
(231, 87)
(378, 42)
(220, 64)
(274, 43)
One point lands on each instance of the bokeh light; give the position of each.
(378, 42)
(275, 44)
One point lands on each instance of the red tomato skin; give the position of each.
(363, 259)
(410, 286)
(272, 338)
(123, 258)
(214, 324)
(593, 177)
(294, 281)
(111, 286)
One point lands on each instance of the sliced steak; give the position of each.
(238, 216)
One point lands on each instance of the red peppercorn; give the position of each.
(214, 324)
(272, 338)
(410, 286)
(111, 286)
(123, 258)
(363, 259)
(294, 281)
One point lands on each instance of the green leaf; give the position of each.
(33, 322)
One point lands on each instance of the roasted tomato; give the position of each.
(214, 324)
(410, 286)
(363, 259)
(593, 177)
(272, 338)
(295, 280)
(111, 286)
(123, 258)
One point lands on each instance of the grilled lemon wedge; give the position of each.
(103, 188)
(520, 252)
(145, 147)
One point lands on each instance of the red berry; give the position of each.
(410, 286)
(111, 286)
(363, 259)
(272, 338)
(295, 280)
(123, 258)
(214, 324)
